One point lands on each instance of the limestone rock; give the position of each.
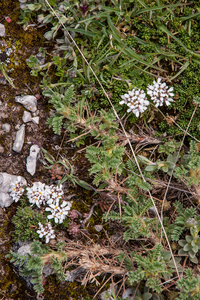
(28, 101)
(5, 181)
(32, 159)
(98, 227)
(26, 117)
(19, 140)
(41, 59)
(6, 127)
(2, 30)
(35, 120)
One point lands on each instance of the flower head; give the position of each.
(46, 231)
(136, 101)
(16, 189)
(160, 93)
(58, 212)
(37, 193)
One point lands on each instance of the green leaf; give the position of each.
(195, 248)
(150, 168)
(194, 259)
(182, 243)
(83, 184)
(192, 253)
(35, 6)
(189, 238)
(167, 255)
(146, 296)
(182, 252)
(187, 247)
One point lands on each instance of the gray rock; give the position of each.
(152, 210)
(40, 58)
(6, 127)
(2, 30)
(98, 227)
(128, 293)
(35, 120)
(26, 117)
(19, 140)
(32, 159)
(5, 200)
(36, 113)
(24, 250)
(28, 101)
(5, 181)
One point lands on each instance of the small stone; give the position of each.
(6, 127)
(3, 80)
(1, 149)
(36, 113)
(26, 117)
(2, 30)
(24, 250)
(22, 5)
(40, 58)
(19, 140)
(98, 227)
(28, 101)
(128, 293)
(152, 210)
(35, 120)
(32, 159)
(17, 127)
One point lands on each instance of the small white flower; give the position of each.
(16, 189)
(58, 212)
(136, 101)
(46, 231)
(160, 93)
(37, 194)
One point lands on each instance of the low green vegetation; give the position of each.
(144, 162)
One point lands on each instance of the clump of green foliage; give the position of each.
(33, 264)
(26, 221)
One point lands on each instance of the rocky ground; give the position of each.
(16, 45)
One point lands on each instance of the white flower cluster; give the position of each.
(16, 189)
(160, 93)
(37, 194)
(40, 193)
(58, 212)
(137, 101)
(192, 222)
(46, 231)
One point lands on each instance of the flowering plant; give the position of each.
(137, 101)
(42, 194)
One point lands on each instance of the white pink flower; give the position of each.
(136, 101)
(160, 93)
(46, 231)
(16, 189)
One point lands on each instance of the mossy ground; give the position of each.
(24, 44)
